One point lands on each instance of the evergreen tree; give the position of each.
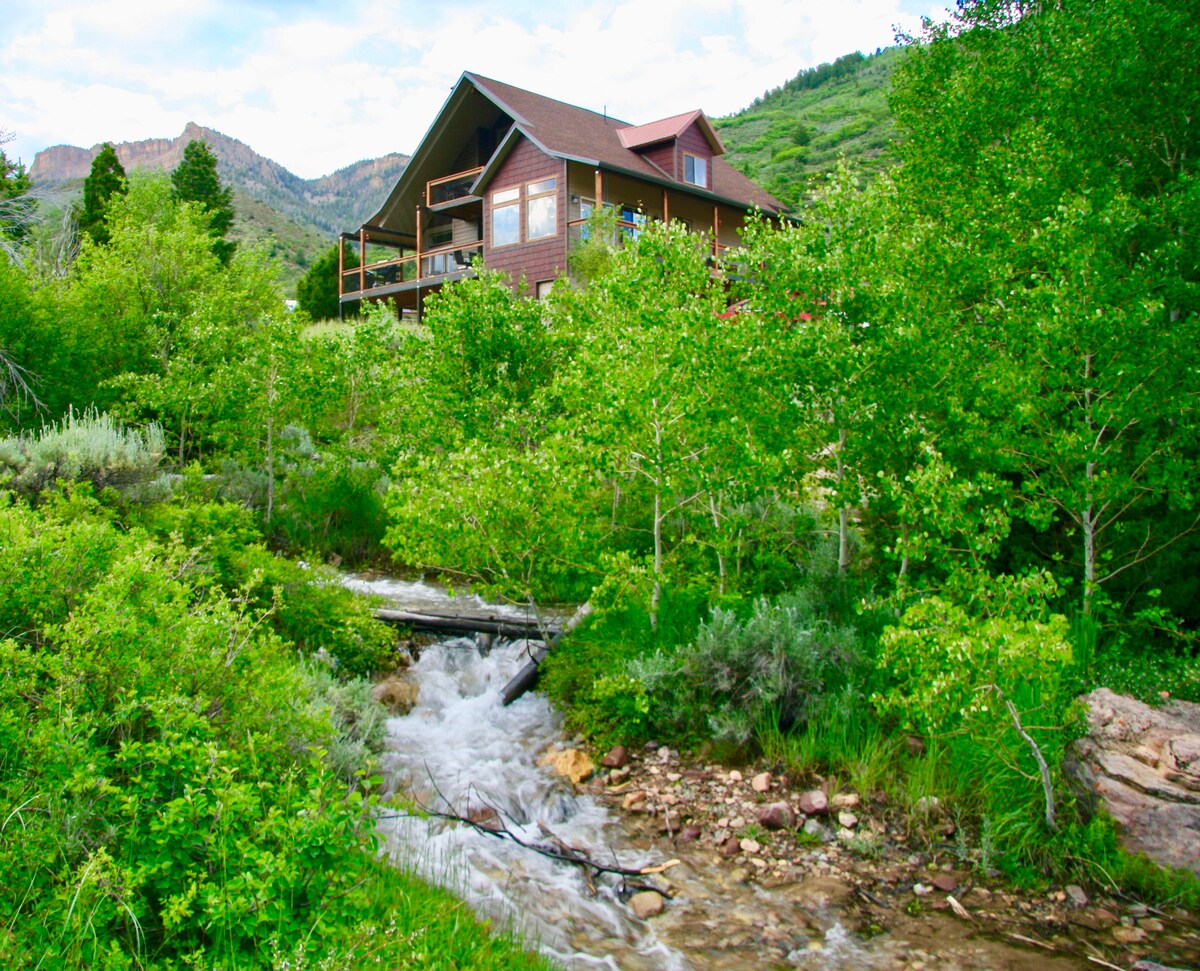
(196, 180)
(107, 179)
(317, 291)
(16, 200)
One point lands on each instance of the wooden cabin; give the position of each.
(513, 176)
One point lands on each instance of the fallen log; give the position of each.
(527, 677)
(467, 623)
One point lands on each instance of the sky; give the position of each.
(317, 85)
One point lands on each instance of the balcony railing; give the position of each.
(451, 188)
(437, 263)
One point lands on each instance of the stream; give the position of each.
(460, 751)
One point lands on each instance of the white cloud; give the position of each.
(336, 83)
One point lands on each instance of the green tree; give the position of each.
(195, 179)
(106, 180)
(17, 202)
(317, 291)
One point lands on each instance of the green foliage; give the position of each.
(105, 180)
(317, 291)
(195, 180)
(772, 667)
(90, 447)
(17, 203)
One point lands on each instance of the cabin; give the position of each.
(512, 177)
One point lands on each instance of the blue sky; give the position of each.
(317, 85)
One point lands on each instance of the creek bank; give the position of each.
(867, 865)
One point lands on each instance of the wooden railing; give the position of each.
(448, 188)
(439, 262)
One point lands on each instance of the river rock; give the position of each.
(813, 803)
(570, 763)
(1142, 766)
(616, 757)
(647, 904)
(845, 800)
(847, 820)
(778, 815)
(761, 782)
(815, 828)
(397, 694)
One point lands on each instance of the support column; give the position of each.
(716, 232)
(362, 259)
(666, 208)
(418, 271)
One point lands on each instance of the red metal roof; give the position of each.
(639, 136)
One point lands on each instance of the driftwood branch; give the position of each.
(1043, 768)
(554, 848)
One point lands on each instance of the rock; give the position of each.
(1076, 895)
(1153, 965)
(616, 757)
(647, 904)
(749, 846)
(730, 848)
(845, 800)
(928, 805)
(633, 799)
(778, 815)
(1152, 925)
(914, 745)
(847, 820)
(1128, 935)
(735, 776)
(486, 817)
(922, 890)
(397, 694)
(814, 827)
(570, 763)
(945, 882)
(618, 776)
(1142, 766)
(761, 782)
(813, 803)
(689, 834)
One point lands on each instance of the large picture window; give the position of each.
(506, 217)
(695, 170)
(541, 216)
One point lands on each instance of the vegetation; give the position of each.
(791, 138)
(930, 476)
(106, 179)
(195, 180)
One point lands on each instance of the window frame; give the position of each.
(696, 160)
(532, 197)
(502, 199)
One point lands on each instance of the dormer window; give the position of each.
(695, 170)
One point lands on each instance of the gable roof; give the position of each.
(568, 132)
(580, 135)
(639, 136)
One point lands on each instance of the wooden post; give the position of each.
(666, 208)
(362, 259)
(341, 264)
(599, 190)
(716, 232)
(418, 276)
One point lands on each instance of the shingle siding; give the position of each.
(542, 259)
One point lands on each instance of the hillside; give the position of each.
(797, 131)
(296, 218)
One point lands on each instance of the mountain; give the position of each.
(296, 218)
(794, 134)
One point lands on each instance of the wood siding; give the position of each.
(693, 142)
(543, 259)
(666, 157)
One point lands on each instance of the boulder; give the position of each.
(616, 757)
(777, 815)
(1141, 765)
(397, 694)
(570, 763)
(813, 803)
(648, 903)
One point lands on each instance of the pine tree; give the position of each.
(196, 180)
(107, 179)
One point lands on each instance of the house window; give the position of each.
(506, 217)
(586, 208)
(543, 288)
(541, 217)
(632, 221)
(695, 170)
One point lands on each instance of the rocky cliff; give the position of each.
(330, 204)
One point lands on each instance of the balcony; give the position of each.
(395, 275)
(451, 190)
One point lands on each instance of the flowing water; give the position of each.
(459, 751)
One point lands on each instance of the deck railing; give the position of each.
(450, 187)
(439, 262)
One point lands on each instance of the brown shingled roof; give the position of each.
(576, 133)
